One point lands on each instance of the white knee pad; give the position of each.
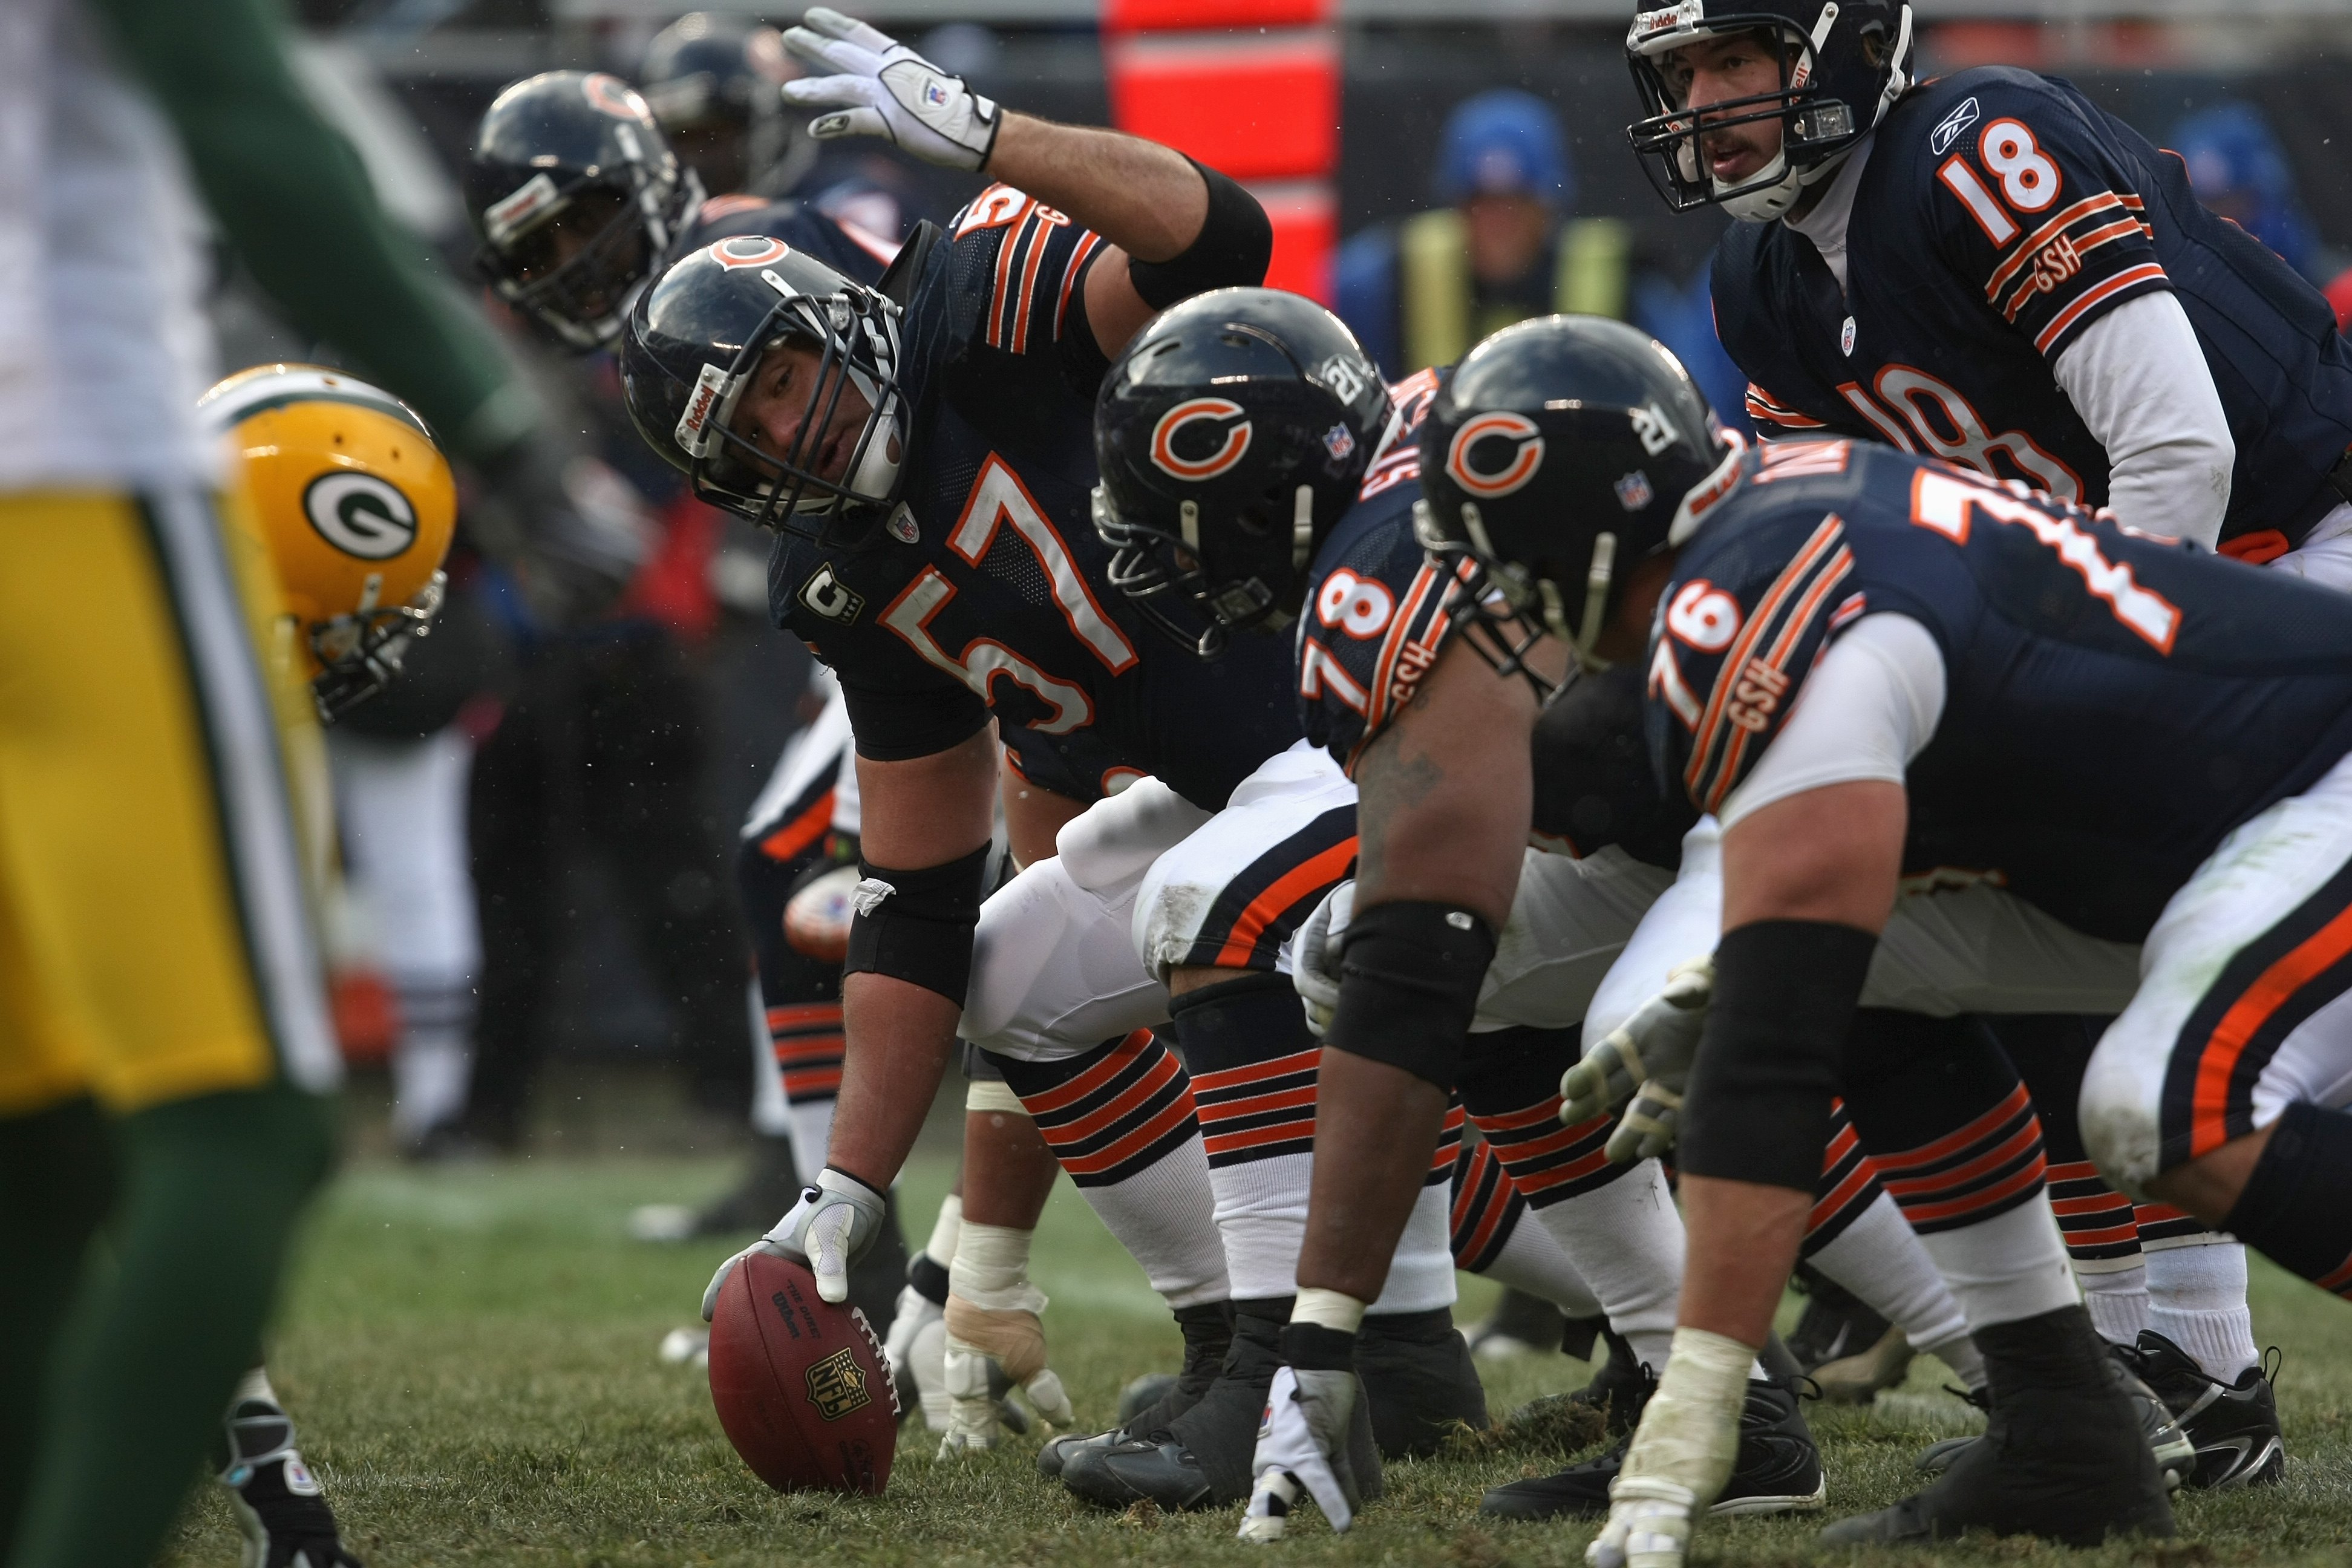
(1052, 971)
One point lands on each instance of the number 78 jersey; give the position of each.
(2113, 703)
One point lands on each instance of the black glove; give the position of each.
(572, 531)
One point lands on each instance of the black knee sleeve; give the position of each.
(1758, 1106)
(1409, 980)
(1240, 1022)
(2050, 1051)
(2296, 1208)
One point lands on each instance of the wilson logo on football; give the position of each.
(360, 514)
(1200, 438)
(749, 250)
(1512, 436)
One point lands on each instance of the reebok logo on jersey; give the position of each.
(827, 596)
(1947, 130)
(360, 514)
(1200, 438)
(1512, 438)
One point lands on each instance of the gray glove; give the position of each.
(882, 88)
(1315, 959)
(829, 1229)
(1647, 1060)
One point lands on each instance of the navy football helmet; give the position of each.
(695, 342)
(715, 84)
(1230, 435)
(577, 198)
(1843, 66)
(1559, 449)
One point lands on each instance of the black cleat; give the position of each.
(1208, 1334)
(1777, 1470)
(2232, 1427)
(1419, 1381)
(1201, 1457)
(2168, 1444)
(1519, 1325)
(1848, 1350)
(2064, 1456)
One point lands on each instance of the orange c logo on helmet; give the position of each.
(1527, 454)
(611, 95)
(749, 250)
(1227, 417)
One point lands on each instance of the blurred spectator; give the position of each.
(2240, 171)
(1422, 291)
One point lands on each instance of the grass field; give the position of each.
(470, 1355)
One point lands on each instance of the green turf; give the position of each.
(470, 1355)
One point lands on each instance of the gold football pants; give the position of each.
(157, 937)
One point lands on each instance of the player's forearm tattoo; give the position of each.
(1394, 778)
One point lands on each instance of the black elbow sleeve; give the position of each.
(1232, 248)
(1768, 1065)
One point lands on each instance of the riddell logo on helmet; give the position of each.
(1218, 417)
(694, 425)
(1526, 443)
(748, 250)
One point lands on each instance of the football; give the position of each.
(801, 1385)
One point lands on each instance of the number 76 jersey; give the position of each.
(2113, 703)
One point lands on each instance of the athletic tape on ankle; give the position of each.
(1331, 1309)
(985, 1094)
(992, 1269)
(1689, 1434)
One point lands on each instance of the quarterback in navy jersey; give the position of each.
(1988, 268)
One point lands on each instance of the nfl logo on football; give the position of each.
(837, 1385)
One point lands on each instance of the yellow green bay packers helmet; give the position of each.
(356, 506)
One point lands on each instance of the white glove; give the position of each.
(1315, 961)
(1009, 1335)
(1302, 1443)
(1681, 1454)
(882, 88)
(829, 1229)
(1646, 1059)
(917, 1348)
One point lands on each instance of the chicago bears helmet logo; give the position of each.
(1193, 422)
(611, 95)
(1515, 431)
(749, 250)
(360, 514)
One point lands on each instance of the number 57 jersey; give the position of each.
(2111, 705)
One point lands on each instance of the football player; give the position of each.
(713, 82)
(1986, 268)
(578, 202)
(934, 550)
(1368, 609)
(1989, 679)
(166, 1052)
(355, 507)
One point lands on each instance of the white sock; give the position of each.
(771, 1117)
(1531, 1259)
(811, 1122)
(2117, 1299)
(1162, 1215)
(1878, 1257)
(945, 1231)
(2197, 1298)
(1626, 1240)
(1261, 1217)
(1421, 1276)
(431, 1071)
(2008, 1267)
